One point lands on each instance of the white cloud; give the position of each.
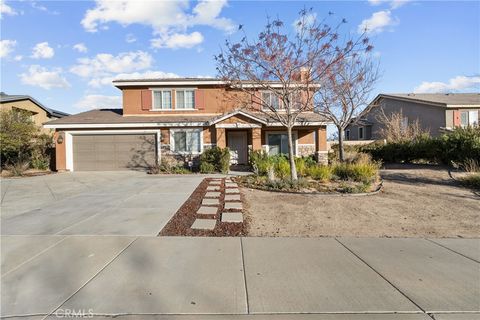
(97, 101)
(308, 20)
(42, 51)
(375, 2)
(6, 47)
(80, 47)
(130, 38)
(149, 74)
(377, 22)
(42, 77)
(394, 4)
(175, 41)
(6, 9)
(168, 19)
(459, 83)
(18, 58)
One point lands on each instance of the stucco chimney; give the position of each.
(304, 74)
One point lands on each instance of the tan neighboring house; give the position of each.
(38, 112)
(436, 112)
(178, 118)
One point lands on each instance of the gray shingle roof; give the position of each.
(12, 98)
(439, 98)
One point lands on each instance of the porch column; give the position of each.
(256, 138)
(221, 138)
(321, 145)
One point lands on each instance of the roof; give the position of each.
(441, 99)
(115, 118)
(12, 98)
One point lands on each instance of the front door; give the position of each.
(237, 143)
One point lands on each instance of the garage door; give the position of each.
(113, 151)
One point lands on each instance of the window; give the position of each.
(162, 99)
(185, 99)
(473, 117)
(361, 133)
(464, 118)
(271, 100)
(405, 123)
(186, 140)
(347, 134)
(278, 143)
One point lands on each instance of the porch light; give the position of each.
(60, 139)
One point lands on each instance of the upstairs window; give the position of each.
(270, 101)
(185, 99)
(162, 100)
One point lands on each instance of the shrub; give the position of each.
(207, 167)
(471, 181)
(261, 162)
(40, 151)
(287, 184)
(361, 172)
(459, 145)
(281, 167)
(321, 173)
(471, 165)
(18, 168)
(217, 157)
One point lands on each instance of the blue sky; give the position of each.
(66, 54)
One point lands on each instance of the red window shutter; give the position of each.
(199, 99)
(146, 99)
(456, 118)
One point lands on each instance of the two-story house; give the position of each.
(26, 104)
(178, 117)
(435, 112)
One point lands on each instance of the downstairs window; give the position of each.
(186, 140)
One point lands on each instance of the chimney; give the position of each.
(304, 74)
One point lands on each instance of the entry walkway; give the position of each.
(240, 278)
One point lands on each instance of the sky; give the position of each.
(66, 53)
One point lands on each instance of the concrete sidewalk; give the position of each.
(240, 278)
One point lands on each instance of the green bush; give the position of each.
(321, 173)
(471, 181)
(261, 162)
(217, 157)
(281, 167)
(455, 147)
(360, 172)
(207, 167)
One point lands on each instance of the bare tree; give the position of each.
(395, 127)
(288, 65)
(345, 92)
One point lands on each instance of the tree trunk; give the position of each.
(291, 156)
(341, 155)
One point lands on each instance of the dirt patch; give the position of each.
(181, 222)
(28, 173)
(417, 201)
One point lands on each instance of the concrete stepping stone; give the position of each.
(204, 224)
(213, 188)
(232, 197)
(207, 210)
(232, 191)
(212, 194)
(210, 202)
(215, 183)
(233, 205)
(216, 179)
(231, 185)
(232, 217)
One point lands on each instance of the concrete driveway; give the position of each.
(92, 203)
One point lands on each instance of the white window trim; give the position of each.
(69, 142)
(363, 130)
(172, 140)
(161, 102)
(184, 89)
(295, 138)
(264, 108)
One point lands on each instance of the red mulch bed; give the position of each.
(183, 219)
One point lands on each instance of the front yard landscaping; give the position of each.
(416, 201)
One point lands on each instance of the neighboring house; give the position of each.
(436, 112)
(177, 118)
(38, 112)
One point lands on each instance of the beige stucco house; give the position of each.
(436, 113)
(179, 118)
(39, 113)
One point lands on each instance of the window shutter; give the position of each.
(146, 99)
(456, 118)
(200, 99)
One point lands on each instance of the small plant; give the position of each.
(261, 162)
(471, 165)
(217, 157)
(18, 168)
(206, 167)
(471, 181)
(361, 172)
(155, 169)
(281, 167)
(320, 173)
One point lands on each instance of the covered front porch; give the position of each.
(242, 132)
